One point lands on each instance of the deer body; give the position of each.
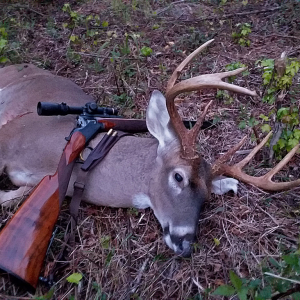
(137, 172)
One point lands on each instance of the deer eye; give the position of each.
(178, 177)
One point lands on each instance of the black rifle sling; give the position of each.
(94, 158)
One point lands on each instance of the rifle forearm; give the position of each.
(25, 238)
(139, 125)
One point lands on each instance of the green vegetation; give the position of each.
(3, 45)
(278, 278)
(277, 80)
(240, 36)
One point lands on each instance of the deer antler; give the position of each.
(188, 137)
(264, 182)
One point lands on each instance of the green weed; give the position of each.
(240, 36)
(279, 277)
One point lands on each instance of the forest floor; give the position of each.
(119, 51)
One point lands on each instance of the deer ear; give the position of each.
(158, 121)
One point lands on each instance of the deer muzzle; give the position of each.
(181, 244)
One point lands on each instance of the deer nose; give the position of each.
(182, 246)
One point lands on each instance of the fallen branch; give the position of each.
(235, 14)
(283, 278)
(27, 7)
(287, 293)
(277, 35)
(166, 8)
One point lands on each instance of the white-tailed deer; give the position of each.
(164, 173)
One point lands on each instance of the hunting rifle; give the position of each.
(25, 238)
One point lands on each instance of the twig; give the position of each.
(235, 14)
(278, 35)
(274, 220)
(102, 56)
(166, 8)
(283, 278)
(14, 297)
(254, 128)
(287, 293)
(27, 7)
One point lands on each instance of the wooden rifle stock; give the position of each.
(25, 238)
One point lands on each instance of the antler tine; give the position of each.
(186, 61)
(243, 162)
(188, 137)
(216, 168)
(209, 81)
(196, 128)
(264, 182)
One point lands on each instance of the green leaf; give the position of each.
(266, 128)
(242, 125)
(105, 241)
(283, 111)
(292, 259)
(73, 38)
(104, 24)
(224, 290)
(269, 63)
(3, 59)
(297, 134)
(254, 284)
(74, 278)
(66, 7)
(296, 296)
(242, 293)
(281, 143)
(3, 32)
(252, 122)
(217, 241)
(265, 118)
(3, 43)
(292, 143)
(273, 261)
(109, 257)
(264, 294)
(146, 51)
(235, 280)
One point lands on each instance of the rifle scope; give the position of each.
(62, 109)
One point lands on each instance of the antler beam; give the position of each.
(264, 182)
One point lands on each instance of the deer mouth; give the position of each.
(180, 244)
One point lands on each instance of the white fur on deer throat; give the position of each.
(141, 201)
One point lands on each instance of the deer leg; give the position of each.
(12, 197)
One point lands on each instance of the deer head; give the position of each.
(184, 175)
